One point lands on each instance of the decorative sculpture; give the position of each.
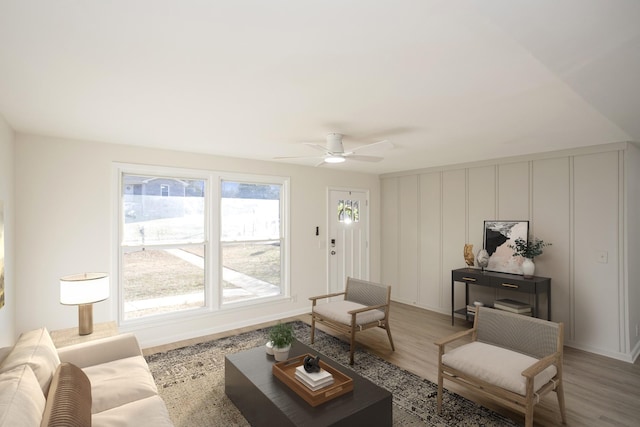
(312, 364)
(483, 258)
(468, 254)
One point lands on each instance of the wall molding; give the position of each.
(593, 149)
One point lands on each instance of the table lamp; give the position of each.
(83, 290)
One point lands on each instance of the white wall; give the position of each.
(632, 243)
(578, 200)
(65, 225)
(7, 313)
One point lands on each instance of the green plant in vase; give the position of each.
(528, 250)
(281, 337)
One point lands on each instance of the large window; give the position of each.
(188, 244)
(163, 244)
(251, 240)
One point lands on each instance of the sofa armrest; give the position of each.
(101, 350)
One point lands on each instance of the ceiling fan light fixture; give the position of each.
(334, 159)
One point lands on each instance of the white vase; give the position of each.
(269, 348)
(528, 267)
(281, 353)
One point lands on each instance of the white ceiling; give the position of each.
(447, 81)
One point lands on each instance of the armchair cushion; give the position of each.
(478, 359)
(337, 311)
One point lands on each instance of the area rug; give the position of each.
(191, 382)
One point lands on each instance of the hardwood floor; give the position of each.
(599, 391)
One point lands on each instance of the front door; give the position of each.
(348, 240)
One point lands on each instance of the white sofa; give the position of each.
(105, 382)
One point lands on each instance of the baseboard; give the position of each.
(625, 357)
(635, 352)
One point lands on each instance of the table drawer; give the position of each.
(469, 276)
(513, 285)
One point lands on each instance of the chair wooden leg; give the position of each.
(313, 328)
(440, 387)
(560, 395)
(353, 345)
(389, 335)
(528, 415)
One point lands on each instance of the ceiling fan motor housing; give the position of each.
(334, 143)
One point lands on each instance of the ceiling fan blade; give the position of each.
(376, 146)
(364, 158)
(297, 157)
(316, 146)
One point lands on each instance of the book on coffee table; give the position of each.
(315, 387)
(314, 380)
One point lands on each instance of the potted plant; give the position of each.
(528, 250)
(281, 337)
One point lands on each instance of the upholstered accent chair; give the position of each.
(512, 359)
(365, 305)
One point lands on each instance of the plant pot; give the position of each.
(528, 268)
(281, 353)
(269, 348)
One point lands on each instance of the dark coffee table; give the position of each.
(264, 400)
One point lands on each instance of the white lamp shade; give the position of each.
(85, 288)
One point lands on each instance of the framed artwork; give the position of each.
(498, 235)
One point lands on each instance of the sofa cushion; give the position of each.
(36, 349)
(119, 382)
(69, 399)
(496, 365)
(21, 398)
(149, 412)
(337, 311)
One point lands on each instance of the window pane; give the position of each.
(250, 211)
(162, 280)
(162, 210)
(250, 240)
(250, 270)
(348, 211)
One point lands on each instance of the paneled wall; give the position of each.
(574, 199)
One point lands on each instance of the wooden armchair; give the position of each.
(512, 359)
(365, 305)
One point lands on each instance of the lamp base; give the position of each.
(85, 319)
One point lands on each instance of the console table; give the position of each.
(513, 282)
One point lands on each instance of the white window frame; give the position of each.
(213, 260)
(284, 233)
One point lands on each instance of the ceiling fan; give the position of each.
(334, 151)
